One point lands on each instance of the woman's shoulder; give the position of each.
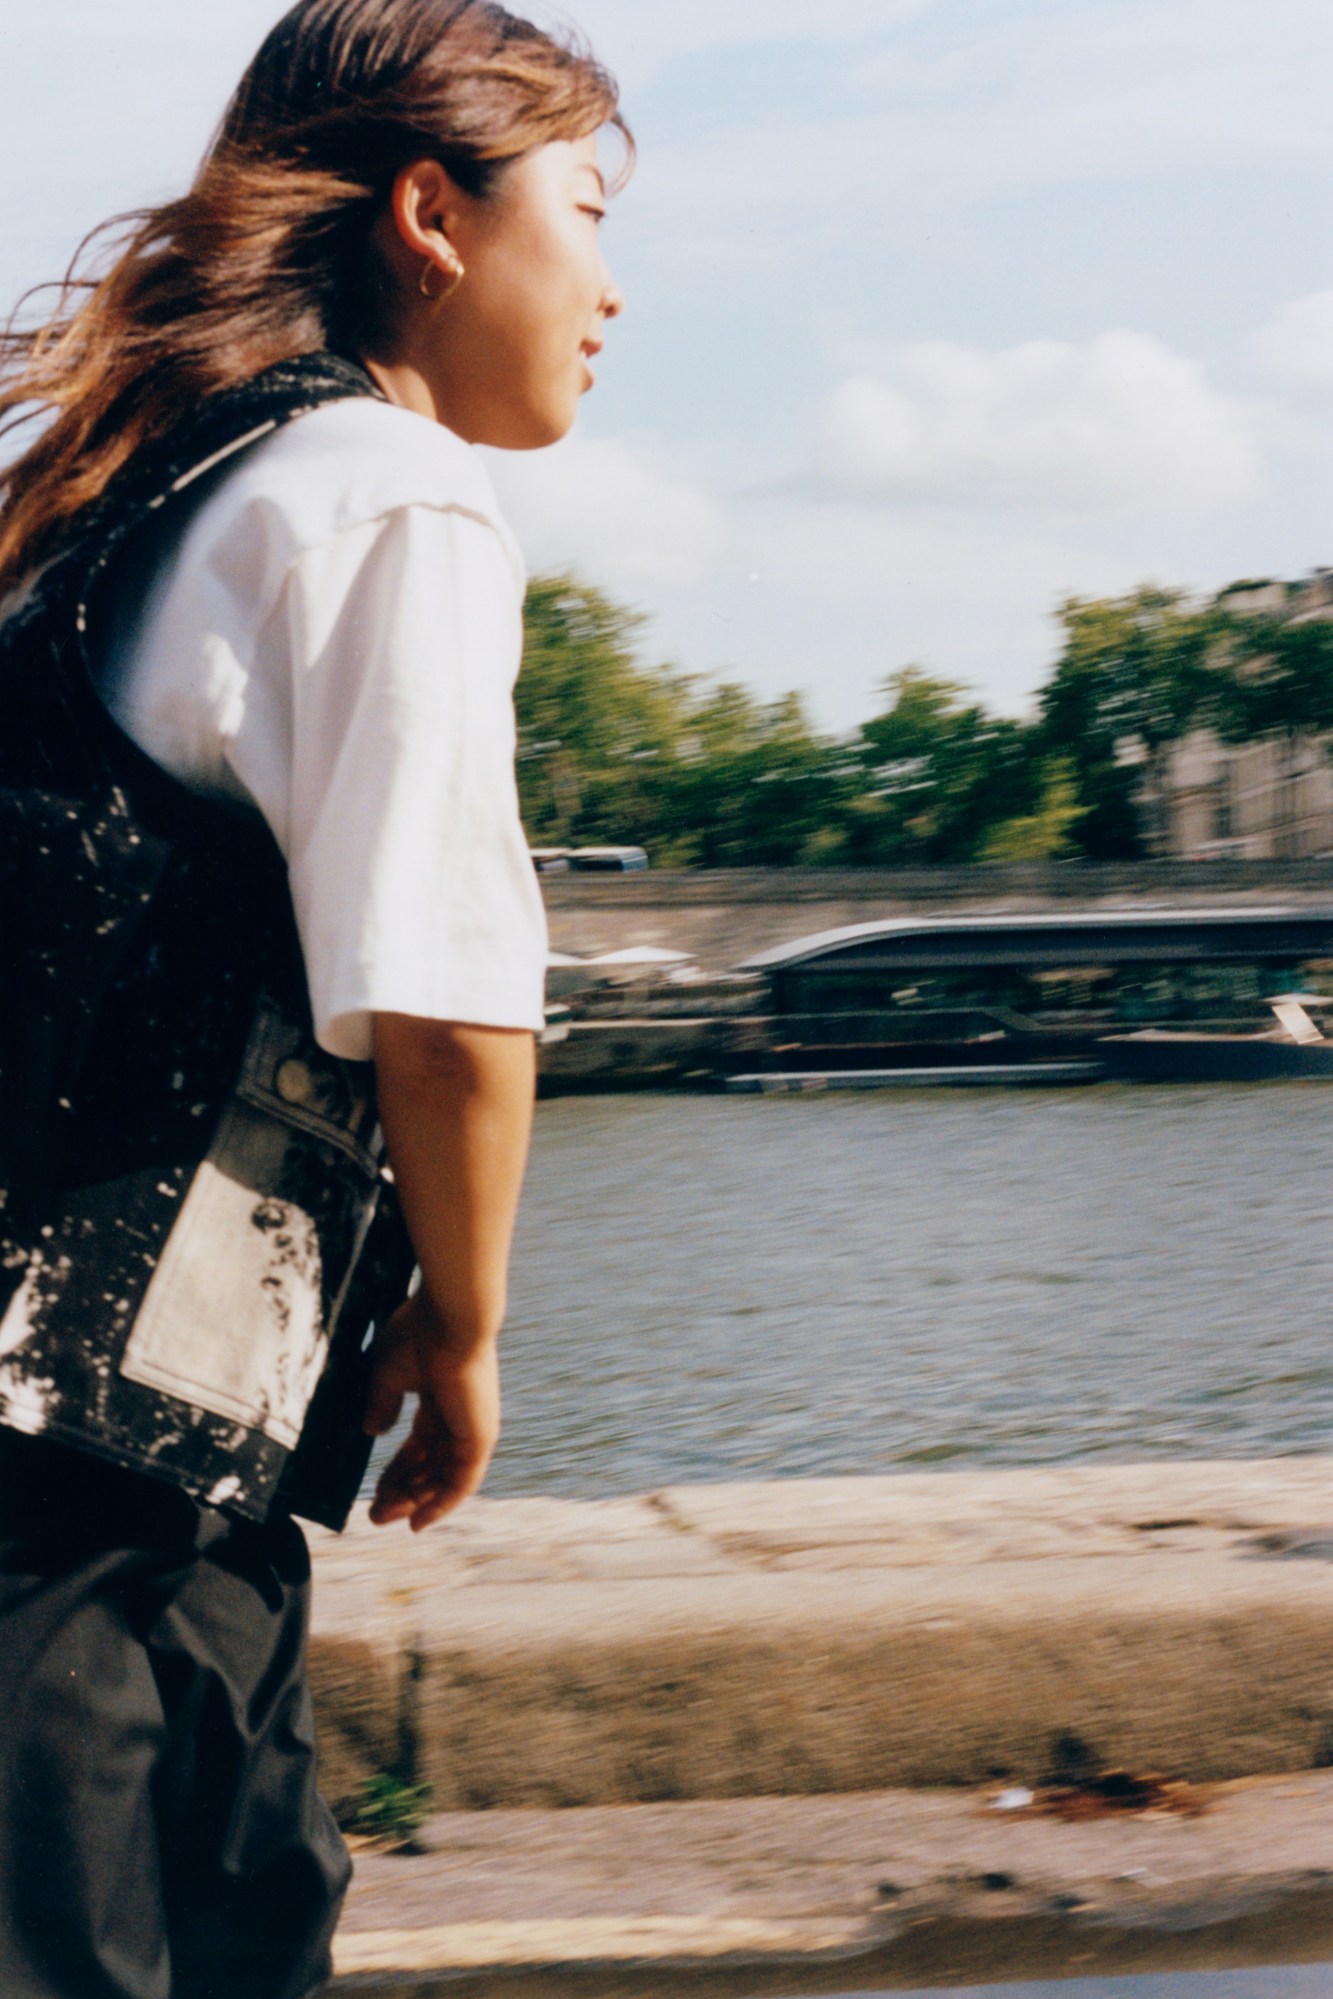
(320, 488)
(337, 467)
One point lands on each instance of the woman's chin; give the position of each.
(536, 431)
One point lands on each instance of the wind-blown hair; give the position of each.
(269, 253)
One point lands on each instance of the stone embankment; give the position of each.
(724, 916)
(811, 1639)
(821, 1895)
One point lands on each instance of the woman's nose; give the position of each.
(613, 299)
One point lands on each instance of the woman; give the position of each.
(279, 841)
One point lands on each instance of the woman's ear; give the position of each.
(424, 208)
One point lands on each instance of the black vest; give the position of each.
(197, 1232)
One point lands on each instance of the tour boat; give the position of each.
(1296, 1047)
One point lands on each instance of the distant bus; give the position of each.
(608, 860)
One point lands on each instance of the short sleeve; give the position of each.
(410, 875)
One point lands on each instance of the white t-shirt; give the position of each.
(335, 636)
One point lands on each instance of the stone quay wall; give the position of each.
(827, 1636)
(724, 917)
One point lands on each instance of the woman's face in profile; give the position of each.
(509, 352)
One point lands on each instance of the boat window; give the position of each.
(1096, 997)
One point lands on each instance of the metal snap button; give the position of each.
(295, 1083)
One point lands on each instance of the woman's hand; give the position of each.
(456, 1426)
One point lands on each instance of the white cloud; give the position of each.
(1117, 422)
(1297, 346)
(608, 508)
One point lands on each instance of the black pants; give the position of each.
(160, 1832)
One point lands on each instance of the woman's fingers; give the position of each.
(421, 1497)
(457, 1421)
(431, 1475)
(423, 1480)
(408, 1478)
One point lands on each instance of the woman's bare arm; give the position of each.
(456, 1106)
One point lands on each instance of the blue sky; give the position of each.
(939, 310)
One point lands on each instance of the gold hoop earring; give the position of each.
(455, 275)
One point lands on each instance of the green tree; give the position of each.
(1046, 834)
(1280, 678)
(942, 774)
(613, 750)
(1279, 687)
(705, 774)
(598, 731)
(1134, 675)
(757, 786)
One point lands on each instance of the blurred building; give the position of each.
(1271, 800)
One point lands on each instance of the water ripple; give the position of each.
(711, 1288)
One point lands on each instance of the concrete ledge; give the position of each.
(837, 1895)
(836, 1636)
(725, 916)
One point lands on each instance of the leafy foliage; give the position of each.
(1135, 674)
(597, 731)
(1281, 679)
(1047, 833)
(944, 772)
(706, 774)
(388, 1809)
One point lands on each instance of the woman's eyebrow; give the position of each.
(588, 167)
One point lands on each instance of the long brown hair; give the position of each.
(268, 254)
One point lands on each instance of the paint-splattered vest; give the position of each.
(196, 1230)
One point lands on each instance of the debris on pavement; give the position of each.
(1112, 1794)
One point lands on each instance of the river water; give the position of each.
(713, 1288)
